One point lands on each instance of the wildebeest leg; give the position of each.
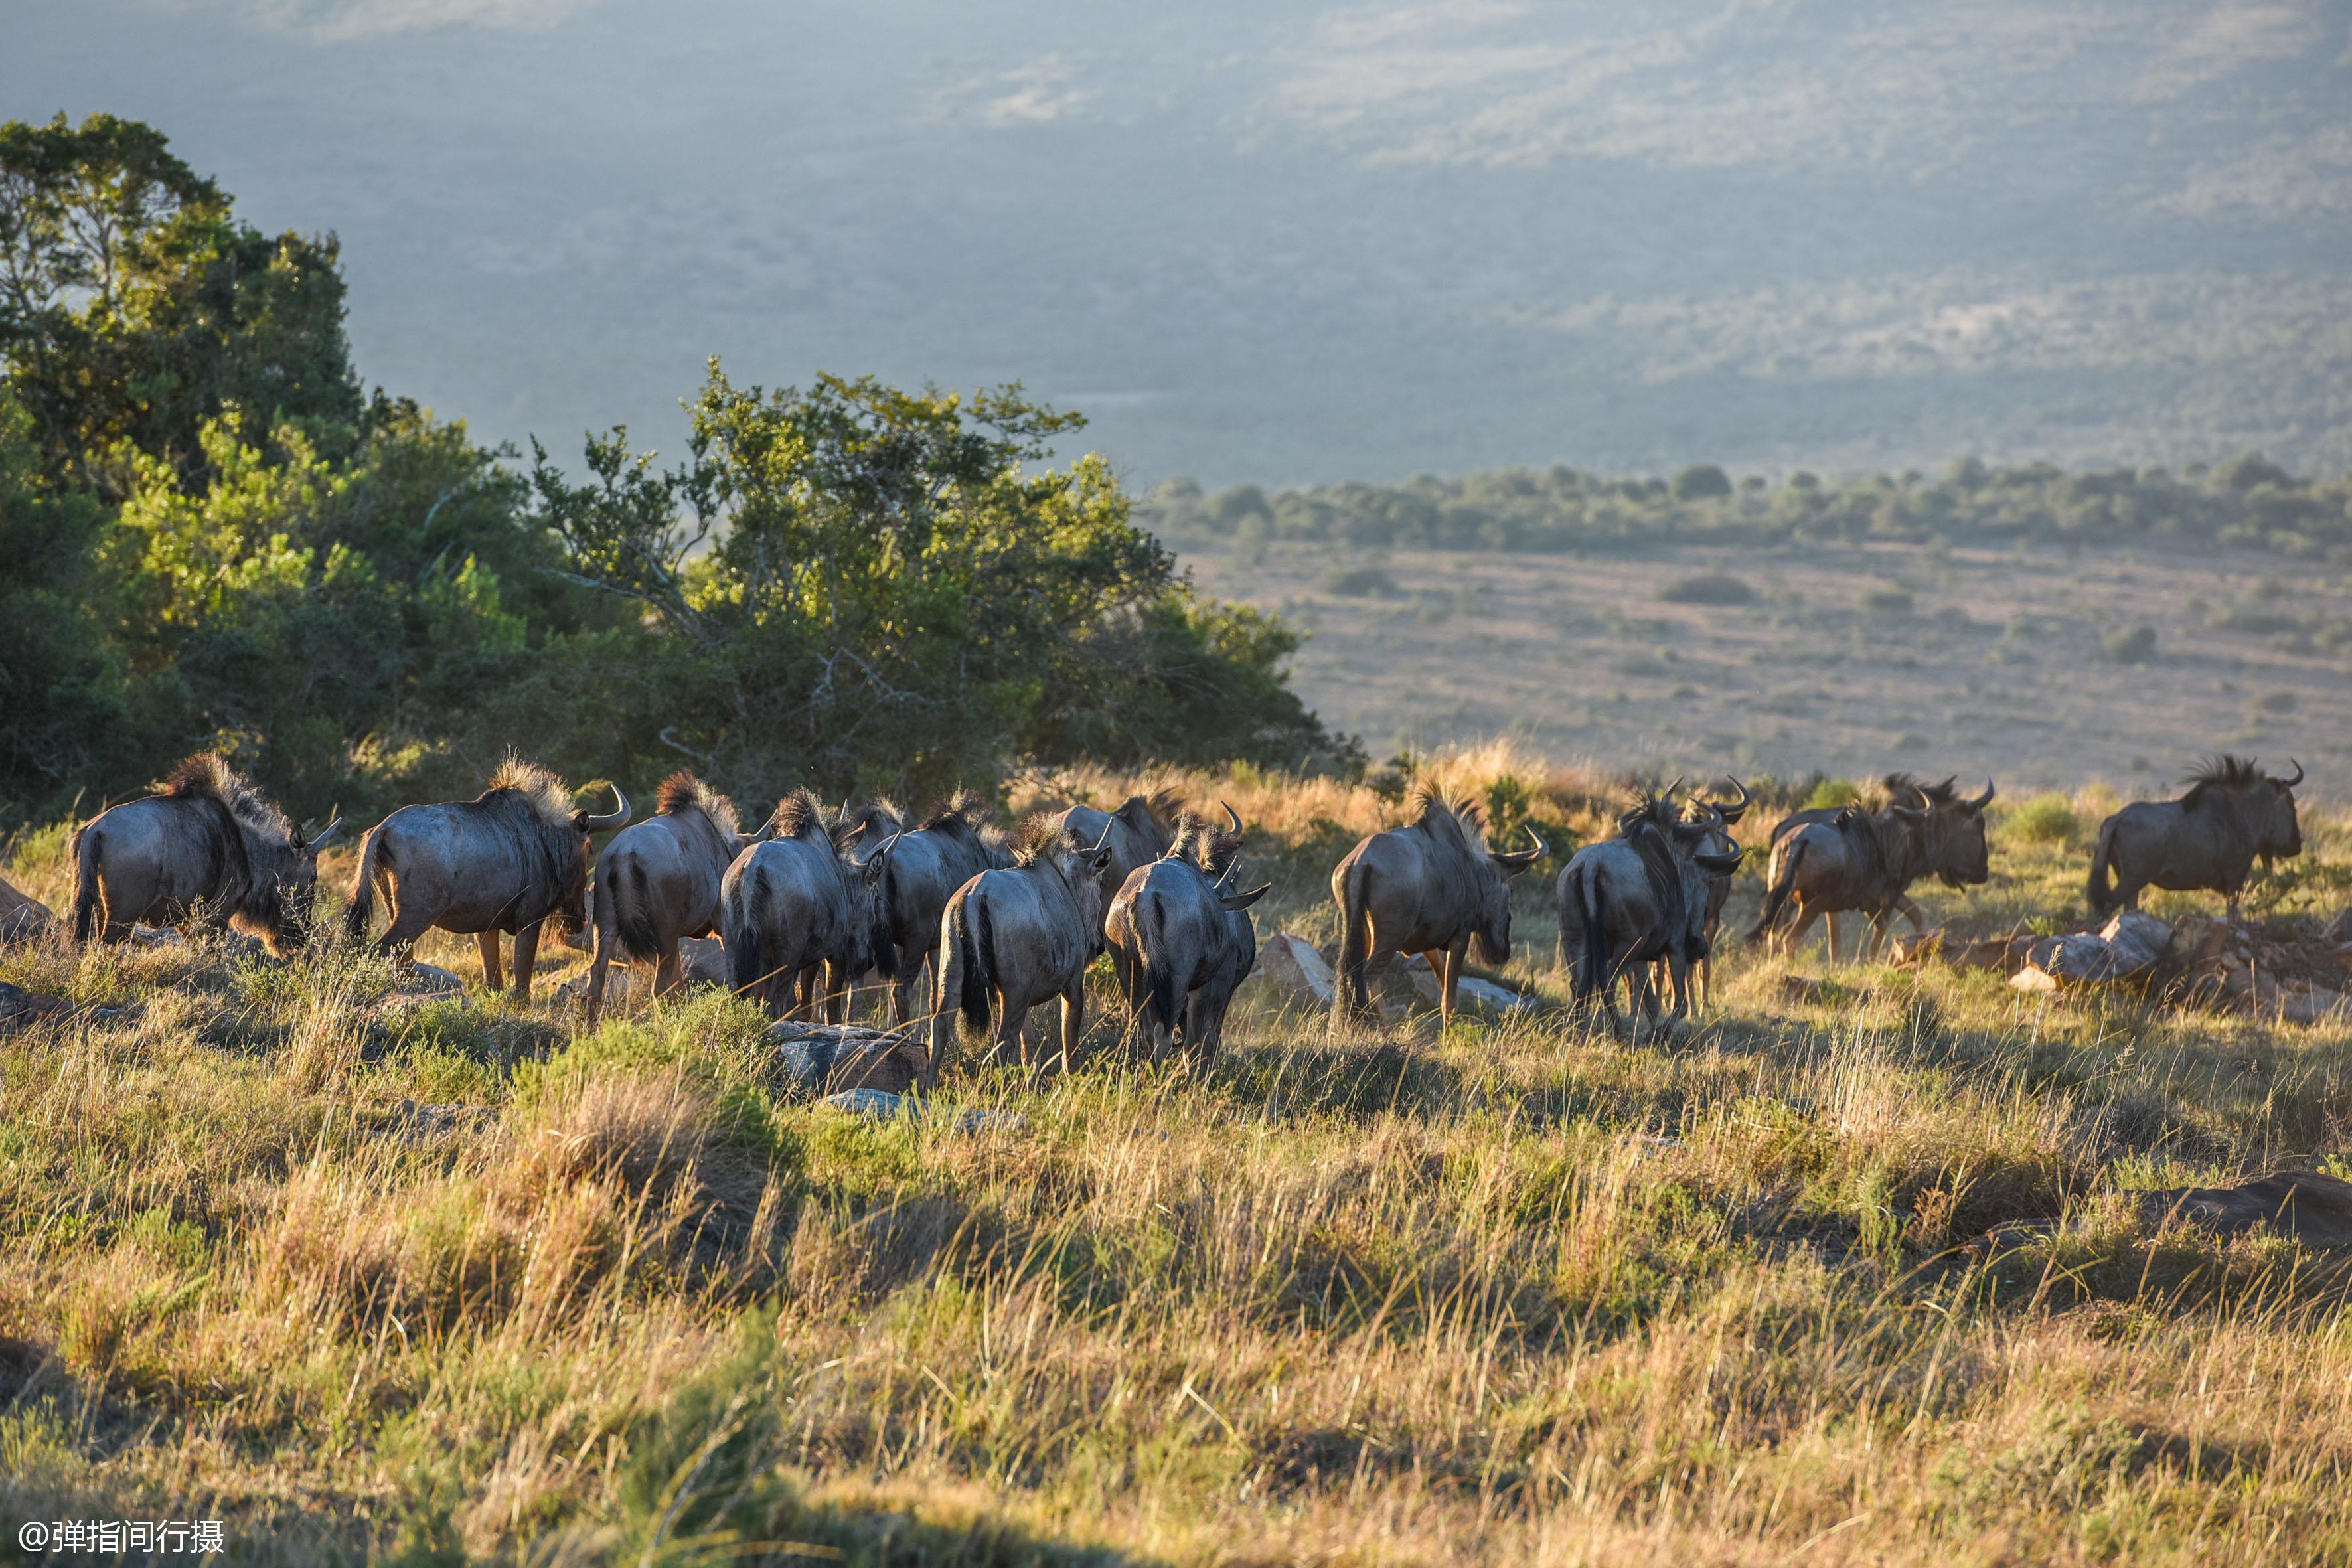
(526, 958)
(1448, 976)
(666, 974)
(1835, 923)
(902, 990)
(840, 992)
(1074, 1022)
(489, 941)
(1010, 1022)
(1806, 915)
(1911, 913)
(399, 938)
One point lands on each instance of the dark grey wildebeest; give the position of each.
(1719, 817)
(504, 861)
(657, 882)
(1863, 859)
(1431, 886)
(1640, 899)
(1017, 936)
(1181, 940)
(204, 846)
(917, 872)
(2210, 838)
(796, 913)
(1137, 832)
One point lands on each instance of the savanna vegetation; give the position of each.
(375, 1277)
(2246, 501)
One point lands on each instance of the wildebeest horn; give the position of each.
(1244, 900)
(618, 817)
(1983, 800)
(1233, 817)
(324, 833)
(1719, 864)
(1731, 811)
(1668, 793)
(1520, 859)
(1098, 846)
(2290, 784)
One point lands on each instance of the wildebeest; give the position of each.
(504, 861)
(1865, 860)
(1181, 940)
(917, 872)
(1431, 886)
(796, 913)
(1719, 817)
(1138, 831)
(1641, 899)
(657, 882)
(1017, 936)
(2210, 838)
(206, 845)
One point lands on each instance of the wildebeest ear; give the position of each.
(1244, 900)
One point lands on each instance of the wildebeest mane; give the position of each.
(2219, 771)
(961, 812)
(683, 792)
(1205, 845)
(207, 776)
(801, 814)
(536, 787)
(1430, 810)
(1900, 784)
(1151, 814)
(1037, 838)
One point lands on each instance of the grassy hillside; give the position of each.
(1520, 1292)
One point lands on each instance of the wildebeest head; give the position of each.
(1950, 826)
(281, 861)
(1461, 826)
(2263, 804)
(1039, 844)
(1217, 851)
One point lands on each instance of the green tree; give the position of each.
(134, 306)
(857, 582)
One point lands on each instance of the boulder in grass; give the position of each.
(817, 1060)
(23, 918)
(2128, 947)
(881, 1105)
(1294, 970)
(2314, 1209)
(1468, 989)
(430, 980)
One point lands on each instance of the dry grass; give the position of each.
(1517, 1293)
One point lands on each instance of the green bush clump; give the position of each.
(1708, 588)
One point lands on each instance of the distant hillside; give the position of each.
(1291, 243)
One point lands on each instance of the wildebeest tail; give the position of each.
(977, 960)
(361, 908)
(1158, 974)
(1593, 976)
(2100, 893)
(746, 966)
(1776, 896)
(1353, 940)
(628, 919)
(87, 915)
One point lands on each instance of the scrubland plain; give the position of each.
(2040, 667)
(441, 1281)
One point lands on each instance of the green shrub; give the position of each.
(2045, 819)
(1889, 599)
(1830, 793)
(1708, 588)
(2134, 646)
(1357, 583)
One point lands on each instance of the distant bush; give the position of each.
(2275, 702)
(1708, 588)
(1359, 583)
(1889, 599)
(1830, 793)
(2134, 646)
(2045, 819)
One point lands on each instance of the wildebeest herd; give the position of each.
(820, 900)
